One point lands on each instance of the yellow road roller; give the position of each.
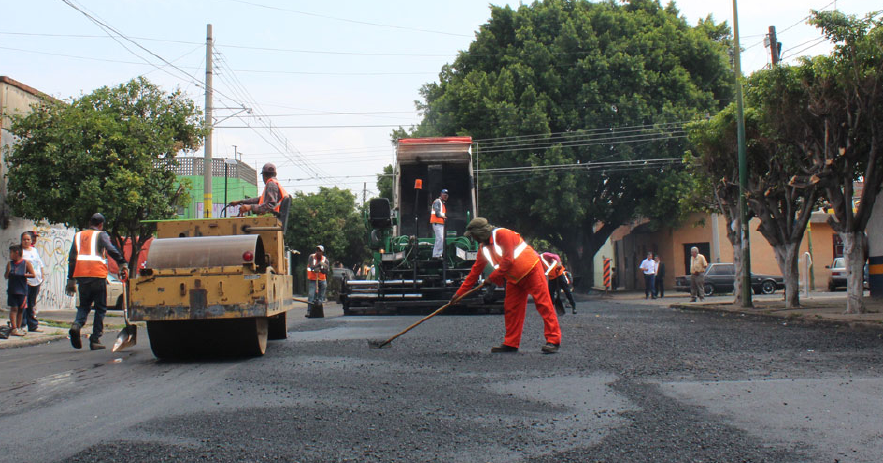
(214, 287)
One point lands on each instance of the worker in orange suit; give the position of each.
(516, 264)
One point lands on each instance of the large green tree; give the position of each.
(111, 151)
(330, 218)
(576, 84)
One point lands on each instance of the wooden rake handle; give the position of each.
(438, 311)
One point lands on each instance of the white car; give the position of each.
(115, 293)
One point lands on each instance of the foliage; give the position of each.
(109, 151)
(574, 67)
(330, 218)
(385, 183)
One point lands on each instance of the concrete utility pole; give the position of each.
(743, 164)
(364, 192)
(775, 46)
(207, 195)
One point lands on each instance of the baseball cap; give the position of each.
(444, 191)
(321, 248)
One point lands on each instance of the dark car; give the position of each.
(719, 278)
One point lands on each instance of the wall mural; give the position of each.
(53, 244)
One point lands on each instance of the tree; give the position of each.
(385, 183)
(111, 151)
(329, 218)
(780, 191)
(575, 84)
(835, 118)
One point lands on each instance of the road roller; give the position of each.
(214, 287)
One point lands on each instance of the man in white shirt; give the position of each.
(648, 266)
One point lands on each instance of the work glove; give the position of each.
(71, 287)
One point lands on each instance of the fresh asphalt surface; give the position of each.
(632, 382)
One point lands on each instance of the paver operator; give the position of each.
(516, 264)
(270, 201)
(87, 273)
(437, 218)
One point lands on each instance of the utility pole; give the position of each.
(775, 46)
(364, 192)
(207, 174)
(743, 164)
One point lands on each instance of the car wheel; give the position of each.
(831, 287)
(119, 304)
(709, 289)
(768, 287)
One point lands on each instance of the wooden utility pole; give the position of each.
(743, 164)
(774, 46)
(207, 174)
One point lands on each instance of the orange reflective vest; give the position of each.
(436, 219)
(90, 263)
(552, 268)
(282, 194)
(312, 262)
(505, 245)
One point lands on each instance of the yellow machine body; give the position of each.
(207, 269)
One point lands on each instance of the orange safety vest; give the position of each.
(436, 219)
(311, 275)
(524, 258)
(90, 263)
(552, 268)
(282, 194)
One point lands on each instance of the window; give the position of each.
(838, 245)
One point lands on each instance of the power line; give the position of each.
(595, 130)
(353, 21)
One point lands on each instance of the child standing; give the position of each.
(30, 254)
(18, 271)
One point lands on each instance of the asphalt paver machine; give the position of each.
(405, 277)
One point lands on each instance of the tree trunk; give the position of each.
(786, 257)
(853, 250)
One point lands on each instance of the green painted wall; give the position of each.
(236, 189)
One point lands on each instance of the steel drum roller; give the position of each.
(205, 251)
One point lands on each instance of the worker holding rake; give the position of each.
(516, 264)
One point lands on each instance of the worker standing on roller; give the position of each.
(516, 264)
(270, 201)
(437, 218)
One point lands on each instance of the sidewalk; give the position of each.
(817, 308)
(55, 325)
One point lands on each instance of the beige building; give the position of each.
(708, 233)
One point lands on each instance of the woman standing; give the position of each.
(30, 254)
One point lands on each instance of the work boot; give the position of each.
(96, 345)
(74, 333)
(574, 310)
(550, 348)
(503, 348)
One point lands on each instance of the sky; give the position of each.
(332, 79)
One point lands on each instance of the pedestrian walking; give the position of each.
(18, 270)
(648, 266)
(437, 218)
(30, 254)
(516, 264)
(660, 276)
(698, 264)
(87, 276)
(317, 271)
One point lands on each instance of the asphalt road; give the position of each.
(631, 383)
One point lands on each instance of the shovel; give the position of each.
(380, 344)
(129, 334)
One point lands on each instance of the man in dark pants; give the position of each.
(87, 272)
(660, 276)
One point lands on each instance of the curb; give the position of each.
(795, 319)
(33, 341)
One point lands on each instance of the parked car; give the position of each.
(837, 279)
(719, 278)
(343, 273)
(115, 293)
